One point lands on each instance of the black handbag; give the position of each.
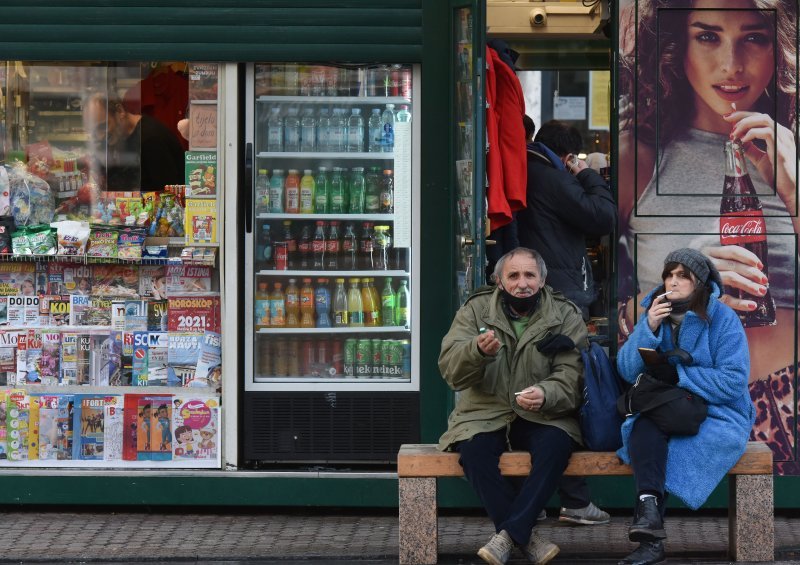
(674, 410)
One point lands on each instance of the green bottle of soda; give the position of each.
(336, 192)
(321, 199)
(402, 301)
(388, 303)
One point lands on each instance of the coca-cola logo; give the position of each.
(737, 230)
(746, 227)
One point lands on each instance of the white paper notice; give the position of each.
(569, 107)
(402, 184)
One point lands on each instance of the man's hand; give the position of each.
(488, 344)
(531, 398)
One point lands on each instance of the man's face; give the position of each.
(520, 276)
(103, 124)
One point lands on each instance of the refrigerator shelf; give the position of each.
(325, 155)
(336, 99)
(342, 217)
(347, 330)
(331, 274)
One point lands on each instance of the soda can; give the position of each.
(378, 368)
(281, 256)
(364, 359)
(294, 357)
(405, 83)
(388, 357)
(307, 356)
(406, 359)
(350, 346)
(281, 358)
(337, 358)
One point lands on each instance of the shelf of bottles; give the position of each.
(332, 291)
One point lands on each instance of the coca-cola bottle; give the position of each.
(350, 248)
(742, 223)
(304, 248)
(332, 247)
(318, 246)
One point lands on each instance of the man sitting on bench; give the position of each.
(512, 351)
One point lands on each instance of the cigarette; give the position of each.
(518, 393)
(666, 293)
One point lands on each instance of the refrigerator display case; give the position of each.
(331, 290)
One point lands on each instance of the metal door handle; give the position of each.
(491, 242)
(464, 241)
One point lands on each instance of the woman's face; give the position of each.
(729, 59)
(681, 282)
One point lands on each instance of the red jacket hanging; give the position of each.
(506, 161)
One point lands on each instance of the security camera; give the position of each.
(538, 17)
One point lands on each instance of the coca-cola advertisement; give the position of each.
(708, 160)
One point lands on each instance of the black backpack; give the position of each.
(599, 419)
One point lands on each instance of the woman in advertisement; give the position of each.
(695, 75)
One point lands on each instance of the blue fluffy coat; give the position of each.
(719, 374)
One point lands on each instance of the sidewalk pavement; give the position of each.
(323, 535)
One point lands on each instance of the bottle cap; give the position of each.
(355, 281)
(262, 171)
(306, 171)
(306, 280)
(387, 171)
(339, 280)
(292, 281)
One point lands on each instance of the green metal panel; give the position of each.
(210, 30)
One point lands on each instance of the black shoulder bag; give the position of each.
(674, 410)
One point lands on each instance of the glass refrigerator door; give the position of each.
(332, 296)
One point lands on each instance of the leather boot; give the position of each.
(647, 523)
(648, 553)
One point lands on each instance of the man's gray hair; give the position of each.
(498, 267)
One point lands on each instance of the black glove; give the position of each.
(555, 344)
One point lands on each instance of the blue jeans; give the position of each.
(513, 507)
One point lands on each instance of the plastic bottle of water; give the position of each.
(323, 130)
(275, 130)
(308, 131)
(403, 115)
(338, 133)
(291, 131)
(387, 118)
(262, 192)
(375, 131)
(355, 132)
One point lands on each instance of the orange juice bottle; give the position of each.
(371, 308)
(262, 306)
(277, 307)
(292, 305)
(307, 304)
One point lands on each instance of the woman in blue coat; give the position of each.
(689, 318)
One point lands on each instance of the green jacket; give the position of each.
(487, 384)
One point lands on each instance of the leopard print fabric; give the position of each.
(776, 420)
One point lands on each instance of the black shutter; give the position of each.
(212, 30)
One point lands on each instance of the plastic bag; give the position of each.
(30, 200)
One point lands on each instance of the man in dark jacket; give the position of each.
(566, 202)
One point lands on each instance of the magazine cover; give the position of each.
(33, 428)
(140, 354)
(201, 173)
(17, 424)
(22, 311)
(55, 279)
(153, 281)
(195, 423)
(130, 426)
(209, 363)
(32, 344)
(161, 428)
(41, 277)
(17, 279)
(3, 310)
(49, 363)
(80, 310)
(157, 315)
(77, 278)
(203, 81)
(157, 354)
(200, 221)
(105, 359)
(98, 311)
(113, 428)
(88, 420)
(3, 424)
(117, 314)
(188, 279)
(64, 422)
(48, 426)
(184, 350)
(144, 424)
(8, 358)
(135, 315)
(116, 280)
(191, 314)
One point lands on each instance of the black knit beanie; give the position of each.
(697, 263)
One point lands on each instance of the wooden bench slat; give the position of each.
(424, 460)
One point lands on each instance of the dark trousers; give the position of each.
(513, 507)
(647, 447)
(573, 492)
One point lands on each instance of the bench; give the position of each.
(750, 520)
